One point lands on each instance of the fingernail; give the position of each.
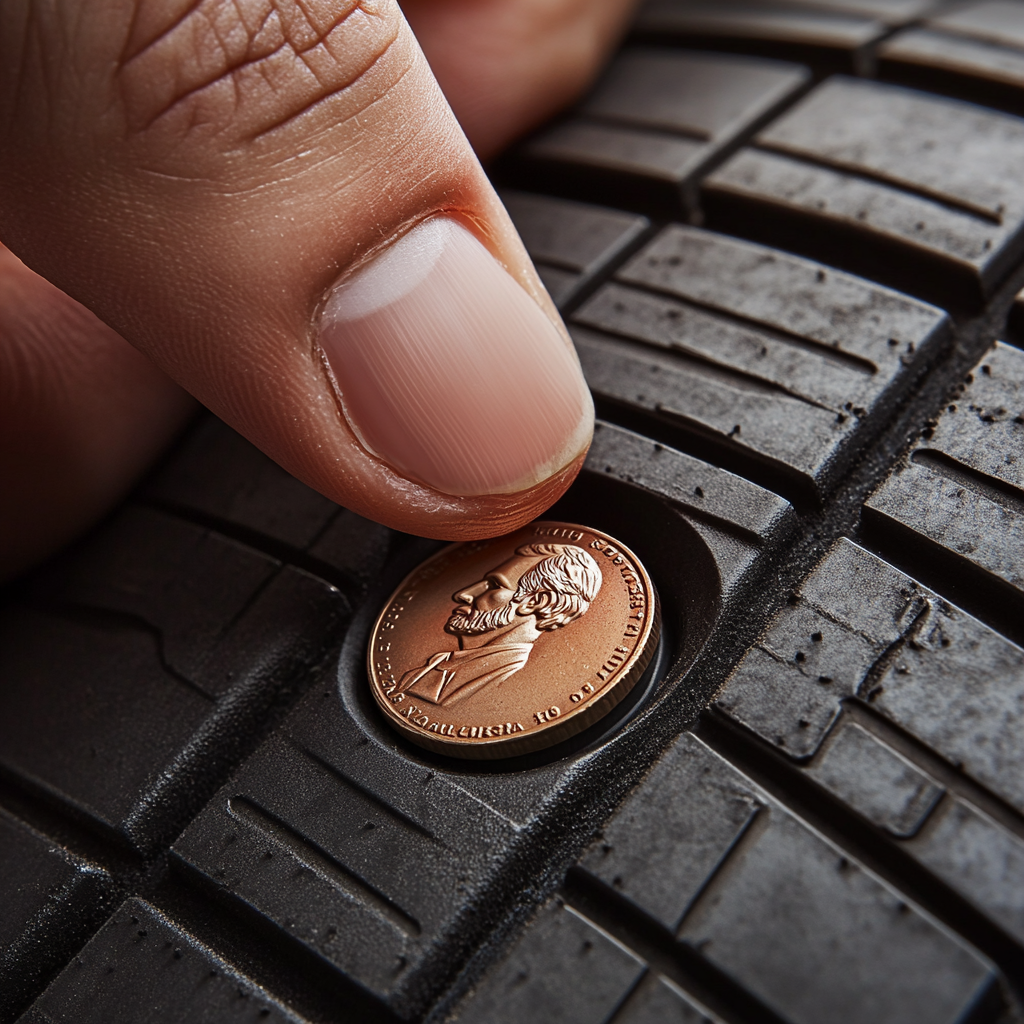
(449, 372)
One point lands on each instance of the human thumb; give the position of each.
(273, 201)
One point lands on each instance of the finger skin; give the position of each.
(81, 415)
(507, 65)
(198, 176)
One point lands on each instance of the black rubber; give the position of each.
(788, 240)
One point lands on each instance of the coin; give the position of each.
(497, 648)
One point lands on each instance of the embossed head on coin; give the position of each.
(444, 676)
(499, 618)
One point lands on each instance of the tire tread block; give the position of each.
(162, 649)
(217, 474)
(811, 31)
(979, 858)
(980, 43)
(765, 352)
(672, 832)
(656, 1000)
(96, 717)
(976, 856)
(707, 492)
(561, 968)
(830, 919)
(900, 171)
(875, 780)
(185, 582)
(994, 21)
(142, 966)
(777, 429)
(698, 838)
(363, 877)
(738, 520)
(659, 117)
(962, 487)
(355, 850)
(570, 243)
(860, 628)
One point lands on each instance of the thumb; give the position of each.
(273, 201)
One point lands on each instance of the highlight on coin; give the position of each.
(498, 648)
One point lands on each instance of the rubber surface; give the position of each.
(788, 239)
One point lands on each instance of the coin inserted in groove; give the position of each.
(497, 648)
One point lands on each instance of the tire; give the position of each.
(787, 244)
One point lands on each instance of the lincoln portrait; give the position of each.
(499, 618)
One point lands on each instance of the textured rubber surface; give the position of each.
(886, 174)
(784, 362)
(654, 124)
(788, 239)
(960, 491)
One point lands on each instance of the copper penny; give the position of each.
(497, 648)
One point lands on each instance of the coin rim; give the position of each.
(499, 748)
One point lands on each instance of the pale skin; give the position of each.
(180, 182)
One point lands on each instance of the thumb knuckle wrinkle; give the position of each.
(243, 68)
